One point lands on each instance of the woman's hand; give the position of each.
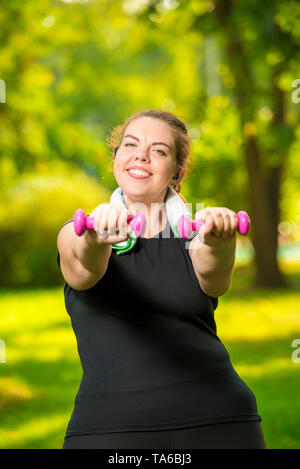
(110, 224)
(220, 226)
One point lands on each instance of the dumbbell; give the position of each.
(83, 222)
(185, 226)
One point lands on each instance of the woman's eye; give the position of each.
(133, 145)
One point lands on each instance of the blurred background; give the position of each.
(70, 71)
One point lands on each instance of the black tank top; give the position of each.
(147, 342)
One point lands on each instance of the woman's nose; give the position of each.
(142, 154)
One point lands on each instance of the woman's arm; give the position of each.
(213, 266)
(83, 262)
(212, 251)
(84, 259)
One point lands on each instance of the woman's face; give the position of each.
(145, 161)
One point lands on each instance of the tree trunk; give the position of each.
(263, 180)
(264, 203)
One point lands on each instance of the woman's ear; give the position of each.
(178, 177)
(180, 174)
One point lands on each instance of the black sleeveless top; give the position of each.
(147, 342)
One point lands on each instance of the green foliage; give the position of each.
(31, 215)
(74, 70)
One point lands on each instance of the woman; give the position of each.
(155, 374)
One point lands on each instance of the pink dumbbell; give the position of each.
(185, 226)
(82, 222)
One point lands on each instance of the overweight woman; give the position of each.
(155, 373)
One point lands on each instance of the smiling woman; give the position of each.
(175, 141)
(156, 375)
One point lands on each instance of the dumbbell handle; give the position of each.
(83, 222)
(185, 226)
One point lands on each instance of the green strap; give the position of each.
(125, 246)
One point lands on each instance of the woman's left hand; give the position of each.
(220, 226)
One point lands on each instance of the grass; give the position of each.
(42, 372)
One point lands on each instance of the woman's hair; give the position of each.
(180, 133)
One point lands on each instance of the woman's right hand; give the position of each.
(110, 224)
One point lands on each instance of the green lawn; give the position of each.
(41, 375)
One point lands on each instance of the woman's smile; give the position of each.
(145, 161)
(138, 173)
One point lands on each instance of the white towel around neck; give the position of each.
(175, 206)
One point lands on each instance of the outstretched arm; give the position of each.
(212, 251)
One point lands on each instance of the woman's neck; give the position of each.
(155, 213)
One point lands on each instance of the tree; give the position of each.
(265, 160)
(73, 70)
(257, 42)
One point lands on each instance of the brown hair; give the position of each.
(180, 133)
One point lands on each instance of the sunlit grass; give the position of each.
(13, 391)
(259, 316)
(42, 372)
(33, 431)
(258, 327)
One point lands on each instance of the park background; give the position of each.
(71, 70)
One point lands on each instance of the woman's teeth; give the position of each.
(138, 172)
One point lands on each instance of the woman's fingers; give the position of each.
(110, 223)
(101, 222)
(220, 224)
(122, 224)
